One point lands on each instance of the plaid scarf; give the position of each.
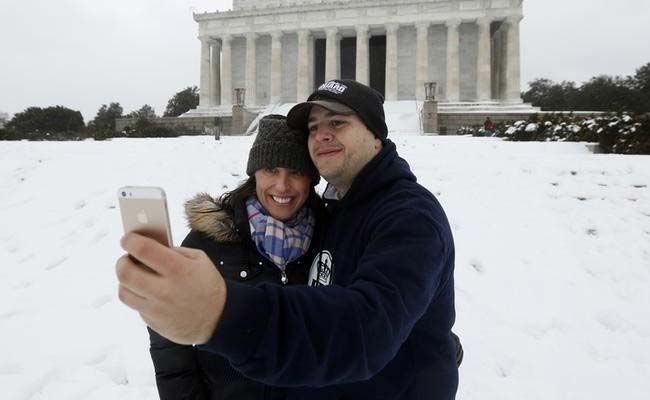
(281, 242)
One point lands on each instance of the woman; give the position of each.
(260, 232)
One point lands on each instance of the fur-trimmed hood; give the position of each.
(205, 214)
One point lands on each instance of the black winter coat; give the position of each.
(185, 372)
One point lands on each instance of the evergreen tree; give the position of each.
(50, 119)
(606, 93)
(182, 102)
(145, 112)
(106, 115)
(641, 83)
(600, 93)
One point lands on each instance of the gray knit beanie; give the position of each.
(277, 145)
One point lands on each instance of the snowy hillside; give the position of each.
(552, 271)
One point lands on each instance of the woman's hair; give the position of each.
(230, 200)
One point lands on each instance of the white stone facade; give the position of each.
(469, 47)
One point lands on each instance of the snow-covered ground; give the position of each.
(552, 271)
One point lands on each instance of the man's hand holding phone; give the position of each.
(182, 298)
(180, 294)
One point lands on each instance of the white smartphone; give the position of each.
(144, 211)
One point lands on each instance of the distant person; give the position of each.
(376, 323)
(488, 127)
(260, 232)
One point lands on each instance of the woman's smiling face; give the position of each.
(282, 191)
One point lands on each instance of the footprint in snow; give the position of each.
(101, 301)
(10, 368)
(97, 359)
(592, 232)
(22, 285)
(477, 265)
(56, 263)
(10, 314)
(117, 373)
(502, 371)
(611, 321)
(26, 258)
(79, 205)
(98, 237)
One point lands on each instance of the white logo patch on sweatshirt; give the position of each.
(320, 273)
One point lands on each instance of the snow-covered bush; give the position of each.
(625, 135)
(615, 133)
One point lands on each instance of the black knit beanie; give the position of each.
(277, 145)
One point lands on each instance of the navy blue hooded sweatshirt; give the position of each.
(378, 326)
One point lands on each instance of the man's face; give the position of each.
(281, 191)
(340, 146)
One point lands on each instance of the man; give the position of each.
(488, 127)
(377, 324)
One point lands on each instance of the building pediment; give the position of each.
(266, 16)
(247, 8)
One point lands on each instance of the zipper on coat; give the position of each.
(283, 277)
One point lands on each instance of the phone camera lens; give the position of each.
(123, 194)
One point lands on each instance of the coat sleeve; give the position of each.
(178, 374)
(177, 370)
(320, 336)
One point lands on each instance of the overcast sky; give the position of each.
(82, 54)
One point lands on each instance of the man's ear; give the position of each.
(378, 144)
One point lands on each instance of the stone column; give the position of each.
(484, 63)
(215, 74)
(513, 78)
(422, 63)
(391, 62)
(251, 69)
(311, 57)
(362, 74)
(453, 61)
(302, 85)
(226, 71)
(332, 54)
(204, 90)
(276, 67)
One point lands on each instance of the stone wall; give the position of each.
(191, 125)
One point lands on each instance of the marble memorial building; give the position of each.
(280, 50)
